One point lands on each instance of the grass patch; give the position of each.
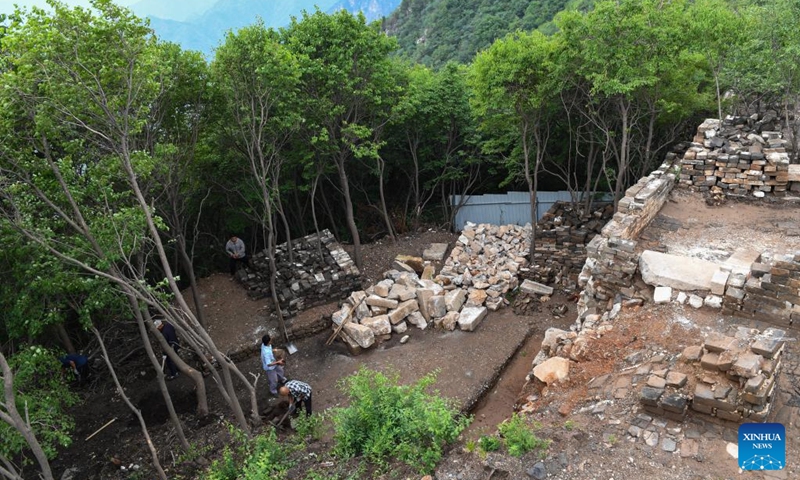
(519, 438)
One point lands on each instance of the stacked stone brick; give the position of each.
(561, 238)
(736, 158)
(309, 280)
(730, 378)
(612, 260)
(771, 293)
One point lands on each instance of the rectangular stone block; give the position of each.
(768, 347)
(717, 342)
(471, 317)
(733, 416)
(709, 361)
(718, 282)
(402, 311)
(376, 301)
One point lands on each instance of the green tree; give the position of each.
(717, 31)
(516, 87)
(32, 410)
(346, 78)
(639, 76)
(259, 79)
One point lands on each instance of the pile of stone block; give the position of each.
(402, 300)
(307, 280)
(665, 395)
(737, 376)
(485, 261)
(771, 293)
(481, 269)
(738, 157)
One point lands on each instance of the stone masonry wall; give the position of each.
(612, 261)
(561, 238)
(736, 158)
(309, 280)
(771, 292)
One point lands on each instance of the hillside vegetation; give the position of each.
(434, 32)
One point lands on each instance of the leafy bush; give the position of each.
(489, 443)
(41, 394)
(309, 426)
(519, 436)
(387, 421)
(252, 459)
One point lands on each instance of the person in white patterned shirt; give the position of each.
(298, 392)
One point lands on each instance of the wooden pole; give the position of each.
(101, 429)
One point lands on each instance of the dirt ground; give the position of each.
(588, 433)
(467, 365)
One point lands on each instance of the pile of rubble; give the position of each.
(481, 269)
(739, 157)
(729, 378)
(309, 279)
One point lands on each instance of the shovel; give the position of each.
(290, 347)
(279, 423)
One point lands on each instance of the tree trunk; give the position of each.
(187, 265)
(132, 407)
(195, 376)
(314, 215)
(348, 210)
(12, 417)
(162, 384)
(381, 165)
(64, 337)
(286, 229)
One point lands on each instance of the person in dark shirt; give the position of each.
(171, 337)
(77, 364)
(298, 392)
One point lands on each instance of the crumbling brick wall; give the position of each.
(612, 260)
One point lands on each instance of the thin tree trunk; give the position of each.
(131, 406)
(331, 216)
(8, 471)
(12, 417)
(64, 337)
(282, 214)
(162, 384)
(348, 210)
(314, 215)
(183, 367)
(381, 165)
(187, 265)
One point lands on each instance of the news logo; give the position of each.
(762, 446)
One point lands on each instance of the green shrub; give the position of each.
(519, 437)
(41, 395)
(309, 426)
(252, 459)
(489, 443)
(386, 421)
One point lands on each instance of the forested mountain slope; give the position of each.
(434, 32)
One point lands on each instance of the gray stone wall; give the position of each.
(737, 158)
(309, 280)
(771, 292)
(562, 235)
(612, 259)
